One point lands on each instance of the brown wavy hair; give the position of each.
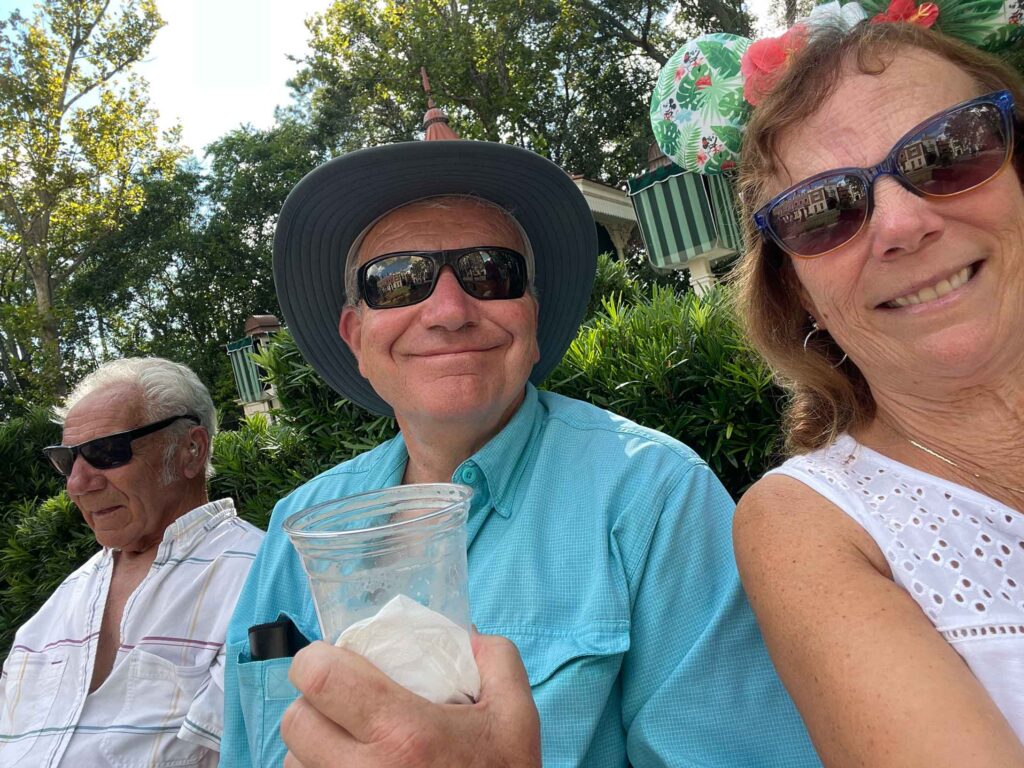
(825, 400)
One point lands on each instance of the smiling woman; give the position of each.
(885, 285)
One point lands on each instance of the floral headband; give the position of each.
(704, 94)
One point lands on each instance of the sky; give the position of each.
(218, 64)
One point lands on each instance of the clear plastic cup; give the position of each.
(361, 551)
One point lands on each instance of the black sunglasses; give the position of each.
(108, 451)
(952, 152)
(407, 278)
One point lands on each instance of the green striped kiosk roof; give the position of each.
(685, 216)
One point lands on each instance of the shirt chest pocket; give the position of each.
(265, 693)
(547, 654)
(29, 692)
(572, 677)
(157, 697)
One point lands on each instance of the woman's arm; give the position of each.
(876, 684)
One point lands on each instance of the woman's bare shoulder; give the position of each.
(779, 515)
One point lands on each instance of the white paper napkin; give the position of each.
(418, 648)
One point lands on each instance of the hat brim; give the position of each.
(332, 205)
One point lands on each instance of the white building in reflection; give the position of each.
(807, 205)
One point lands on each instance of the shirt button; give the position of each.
(469, 475)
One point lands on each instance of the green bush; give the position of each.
(27, 474)
(678, 363)
(315, 429)
(259, 463)
(613, 279)
(40, 544)
(333, 428)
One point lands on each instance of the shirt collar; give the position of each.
(186, 532)
(503, 458)
(189, 529)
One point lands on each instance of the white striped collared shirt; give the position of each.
(162, 703)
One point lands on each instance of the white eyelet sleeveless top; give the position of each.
(957, 552)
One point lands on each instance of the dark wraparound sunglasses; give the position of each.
(951, 153)
(108, 451)
(407, 278)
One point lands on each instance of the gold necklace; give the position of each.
(953, 464)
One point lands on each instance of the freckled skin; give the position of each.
(857, 654)
(911, 240)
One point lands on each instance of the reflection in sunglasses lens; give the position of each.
(107, 452)
(489, 275)
(406, 279)
(62, 460)
(956, 153)
(400, 280)
(822, 215)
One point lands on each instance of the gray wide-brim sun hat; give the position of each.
(333, 204)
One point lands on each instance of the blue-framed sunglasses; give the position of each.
(948, 154)
(108, 451)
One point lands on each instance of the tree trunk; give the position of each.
(49, 329)
(790, 6)
(10, 380)
(36, 259)
(101, 331)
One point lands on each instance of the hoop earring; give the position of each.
(815, 329)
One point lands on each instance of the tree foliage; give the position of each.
(77, 138)
(181, 275)
(108, 248)
(678, 363)
(569, 80)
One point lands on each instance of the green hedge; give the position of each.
(678, 364)
(315, 429)
(27, 474)
(40, 544)
(667, 359)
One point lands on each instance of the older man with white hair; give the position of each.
(123, 665)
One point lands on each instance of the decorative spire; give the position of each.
(435, 122)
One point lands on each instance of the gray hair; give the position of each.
(166, 388)
(439, 202)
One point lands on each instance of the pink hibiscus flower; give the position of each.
(766, 60)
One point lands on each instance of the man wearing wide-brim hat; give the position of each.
(441, 281)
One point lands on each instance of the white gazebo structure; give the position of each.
(612, 209)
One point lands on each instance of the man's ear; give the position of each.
(350, 327)
(195, 452)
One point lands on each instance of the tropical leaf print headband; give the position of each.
(704, 94)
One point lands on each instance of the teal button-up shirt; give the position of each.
(603, 550)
